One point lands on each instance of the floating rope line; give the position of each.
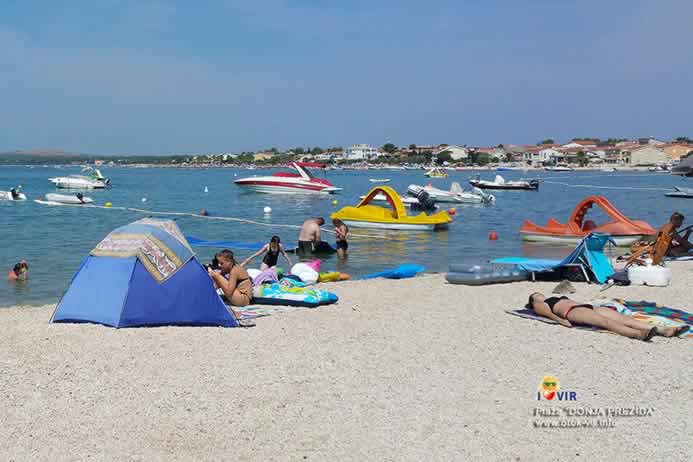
(206, 217)
(630, 188)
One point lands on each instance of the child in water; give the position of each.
(341, 230)
(273, 249)
(20, 272)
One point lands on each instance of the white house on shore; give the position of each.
(542, 156)
(361, 152)
(648, 155)
(456, 152)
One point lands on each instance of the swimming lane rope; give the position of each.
(592, 186)
(207, 217)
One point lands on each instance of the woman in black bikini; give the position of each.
(566, 311)
(273, 249)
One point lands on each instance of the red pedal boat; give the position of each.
(622, 229)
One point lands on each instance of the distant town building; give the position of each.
(456, 152)
(675, 151)
(361, 152)
(580, 144)
(263, 156)
(542, 156)
(648, 155)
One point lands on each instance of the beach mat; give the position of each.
(640, 316)
(529, 314)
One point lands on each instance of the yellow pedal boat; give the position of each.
(365, 215)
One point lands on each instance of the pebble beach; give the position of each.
(397, 370)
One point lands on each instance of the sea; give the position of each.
(55, 240)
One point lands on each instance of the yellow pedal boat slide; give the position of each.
(365, 215)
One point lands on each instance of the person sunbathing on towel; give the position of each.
(566, 312)
(679, 245)
(233, 279)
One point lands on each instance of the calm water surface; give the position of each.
(55, 240)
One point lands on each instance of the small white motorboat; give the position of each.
(455, 195)
(379, 180)
(94, 180)
(500, 183)
(681, 192)
(14, 194)
(58, 199)
(559, 168)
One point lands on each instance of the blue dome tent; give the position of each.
(143, 274)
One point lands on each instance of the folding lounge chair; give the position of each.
(588, 257)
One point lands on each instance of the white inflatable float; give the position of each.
(61, 199)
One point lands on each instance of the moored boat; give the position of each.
(94, 180)
(303, 182)
(77, 199)
(559, 168)
(455, 195)
(620, 228)
(366, 215)
(500, 183)
(436, 172)
(681, 192)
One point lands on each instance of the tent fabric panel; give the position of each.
(186, 298)
(97, 292)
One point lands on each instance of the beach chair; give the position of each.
(587, 259)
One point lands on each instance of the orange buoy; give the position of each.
(204, 213)
(452, 211)
(492, 236)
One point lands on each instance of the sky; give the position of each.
(162, 77)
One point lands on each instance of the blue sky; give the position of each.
(156, 77)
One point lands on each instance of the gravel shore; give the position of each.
(398, 370)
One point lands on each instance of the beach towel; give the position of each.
(281, 294)
(655, 314)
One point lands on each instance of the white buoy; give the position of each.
(206, 190)
(144, 199)
(267, 209)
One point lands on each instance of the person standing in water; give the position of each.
(341, 230)
(309, 236)
(273, 249)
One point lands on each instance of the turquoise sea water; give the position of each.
(55, 240)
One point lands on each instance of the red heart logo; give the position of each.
(550, 395)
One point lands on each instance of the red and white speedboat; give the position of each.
(302, 182)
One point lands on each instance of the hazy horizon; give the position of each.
(126, 77)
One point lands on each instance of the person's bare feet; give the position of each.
(648, 336)
(672, 331)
